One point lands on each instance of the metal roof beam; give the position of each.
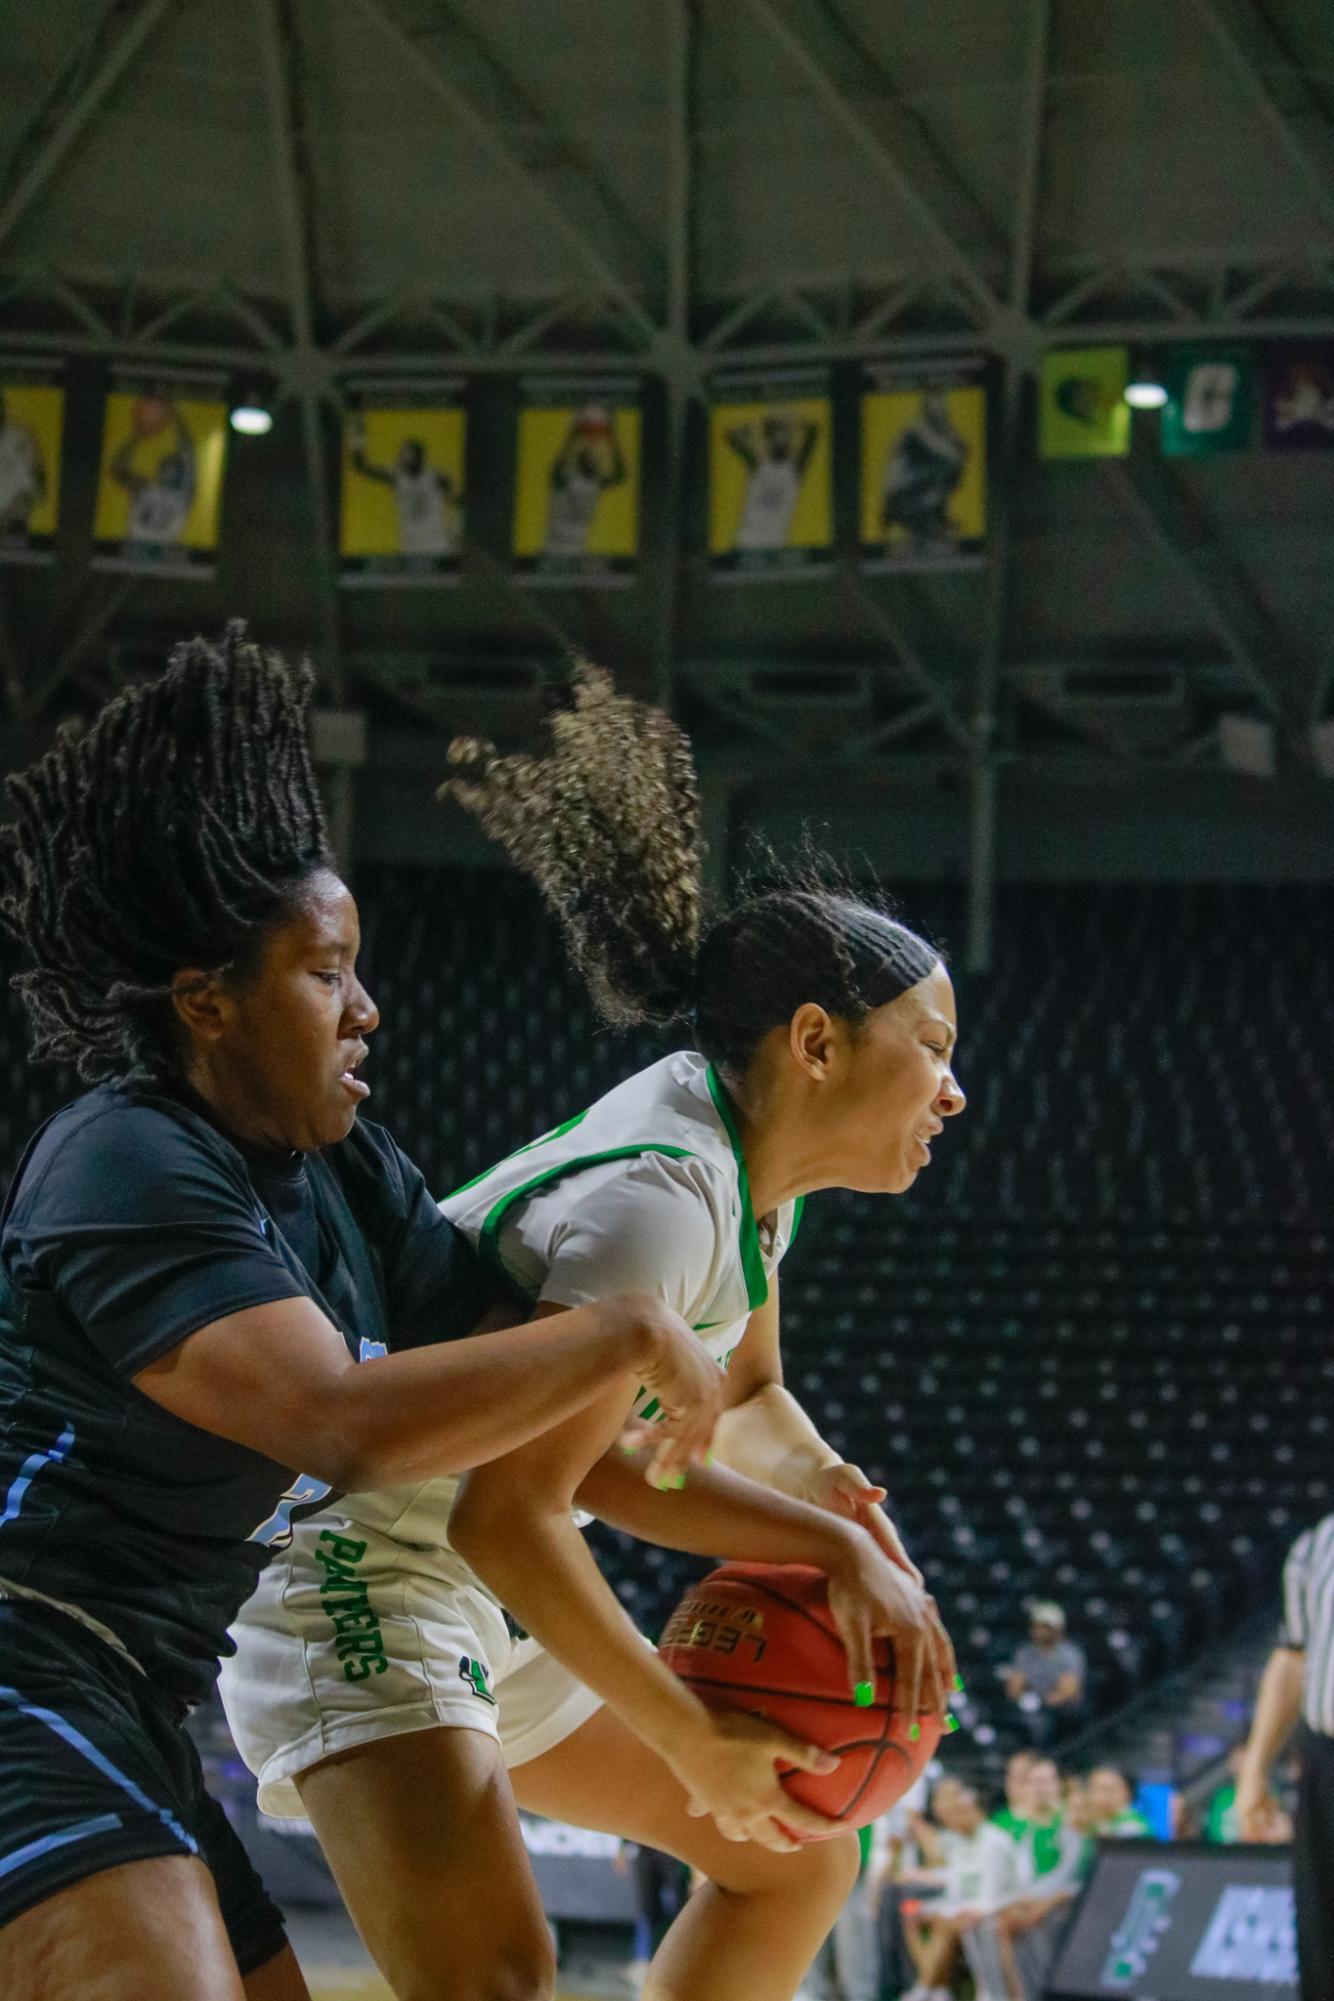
(943, 169)
(907, 654)
(1311, 151)
(882, 155)
(279, 58)
(988, 690)
(120, 35)
(1179, 530)
(571, 233)
(522, 102)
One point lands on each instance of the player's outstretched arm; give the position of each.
(512, 1523)
(765, 1434)
(279, 1379)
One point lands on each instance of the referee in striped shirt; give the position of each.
(1298, 1682)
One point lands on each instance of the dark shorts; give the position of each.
(97, 1769)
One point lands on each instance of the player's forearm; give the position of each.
(537, 1563)
(1277, 1707)
(441, 1409)
(769, 1438)
(719, 1512)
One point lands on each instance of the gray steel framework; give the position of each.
(636, 305)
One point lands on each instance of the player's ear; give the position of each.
(202, 1003)
(810, 1039)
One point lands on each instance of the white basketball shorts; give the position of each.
(351, 1636)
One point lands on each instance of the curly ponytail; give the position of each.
(606, 824)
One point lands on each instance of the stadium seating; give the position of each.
(1090, 1355)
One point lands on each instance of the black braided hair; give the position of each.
(172, 832)
(606, 823)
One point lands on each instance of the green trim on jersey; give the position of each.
(557, 1132)
(752, 1261)
(488, 1244)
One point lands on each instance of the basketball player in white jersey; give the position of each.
(775, 452)
(160, 501)
(427, 504)
(378, 1684)
(22, 472)
(582, 472)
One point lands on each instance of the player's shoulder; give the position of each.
(121, 1144)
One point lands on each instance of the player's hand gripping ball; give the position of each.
(758, 1637)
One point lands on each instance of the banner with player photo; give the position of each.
(1082, 408)
(576, 482)
(1299, 397)
(402, 513)
(924, 465)
(1210, 403)
(32, 413)
(770, 486)
(159, 486)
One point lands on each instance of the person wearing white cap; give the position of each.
(1046, 1676)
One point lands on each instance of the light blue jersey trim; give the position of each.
(78, 1742)
(104, 1824)
(29, 1470)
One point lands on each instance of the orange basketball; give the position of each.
(758, 1637)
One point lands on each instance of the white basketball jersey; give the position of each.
(20, 481)
(423, 521)
(570, 513)
(771, 499)
(159, 513)
(646, 1191)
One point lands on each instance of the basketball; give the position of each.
(759, 1638)
(149, 415)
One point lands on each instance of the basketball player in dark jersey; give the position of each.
(223, 1300)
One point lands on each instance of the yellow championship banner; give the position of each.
(32, 413)
(404, 454)
(770, 482)
(159, 485)
(1082, 408)
(924, 465)
(576, 482)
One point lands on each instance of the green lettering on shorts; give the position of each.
(346, 1602)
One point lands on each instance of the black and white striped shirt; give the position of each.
(1308, 1620)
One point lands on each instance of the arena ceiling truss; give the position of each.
(691, 184)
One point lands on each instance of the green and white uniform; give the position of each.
(369, 1624)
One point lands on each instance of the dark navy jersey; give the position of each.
(134, 1221)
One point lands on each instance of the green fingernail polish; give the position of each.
(864, 1694)
(629, 1450)
(951, 1725)
(958, 1684)
(708, 1459)
(677, 1482)
(914, 1733)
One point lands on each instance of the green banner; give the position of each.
(1210, 400)
(1082, 411)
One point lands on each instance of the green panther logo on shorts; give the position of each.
(475, 1674)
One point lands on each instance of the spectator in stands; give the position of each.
(895, 1861)
(1111, 1813)
(1015, 1808)
(980, 1876)
(1298, 1686)
(1053, 1859)
(1046, 1677)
